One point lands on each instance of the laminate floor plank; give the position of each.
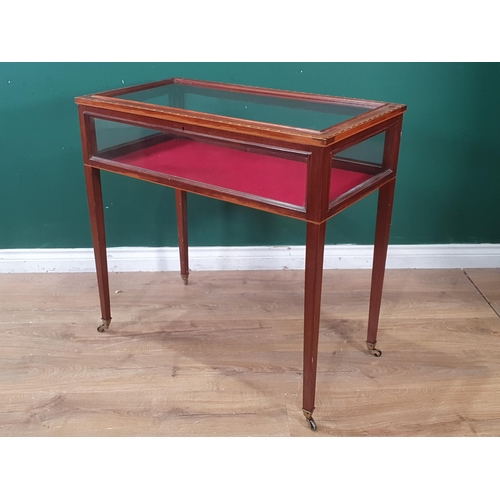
(223, 355)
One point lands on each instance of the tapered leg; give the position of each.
(96, 210)
(382, 232)
(315, 246)
(182, 228)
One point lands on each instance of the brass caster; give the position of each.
(371, 349)
(185, 278)
(310, 420)
(312, 424)
(104, 326)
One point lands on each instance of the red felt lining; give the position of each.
(270, 177)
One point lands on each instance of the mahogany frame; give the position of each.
(316, 148)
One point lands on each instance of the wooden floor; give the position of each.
(223, 355)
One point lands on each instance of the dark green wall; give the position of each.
(448, 187)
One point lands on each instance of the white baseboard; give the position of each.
(132, 259)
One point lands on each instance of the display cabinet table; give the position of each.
(299, 155)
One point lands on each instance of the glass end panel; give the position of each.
(370, 151)
(355, 165)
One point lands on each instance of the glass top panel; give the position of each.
(249, 106)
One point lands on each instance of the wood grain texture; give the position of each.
(223, 355)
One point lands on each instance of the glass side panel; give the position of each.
(209, 163)
(110, 134)
(237, 104)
